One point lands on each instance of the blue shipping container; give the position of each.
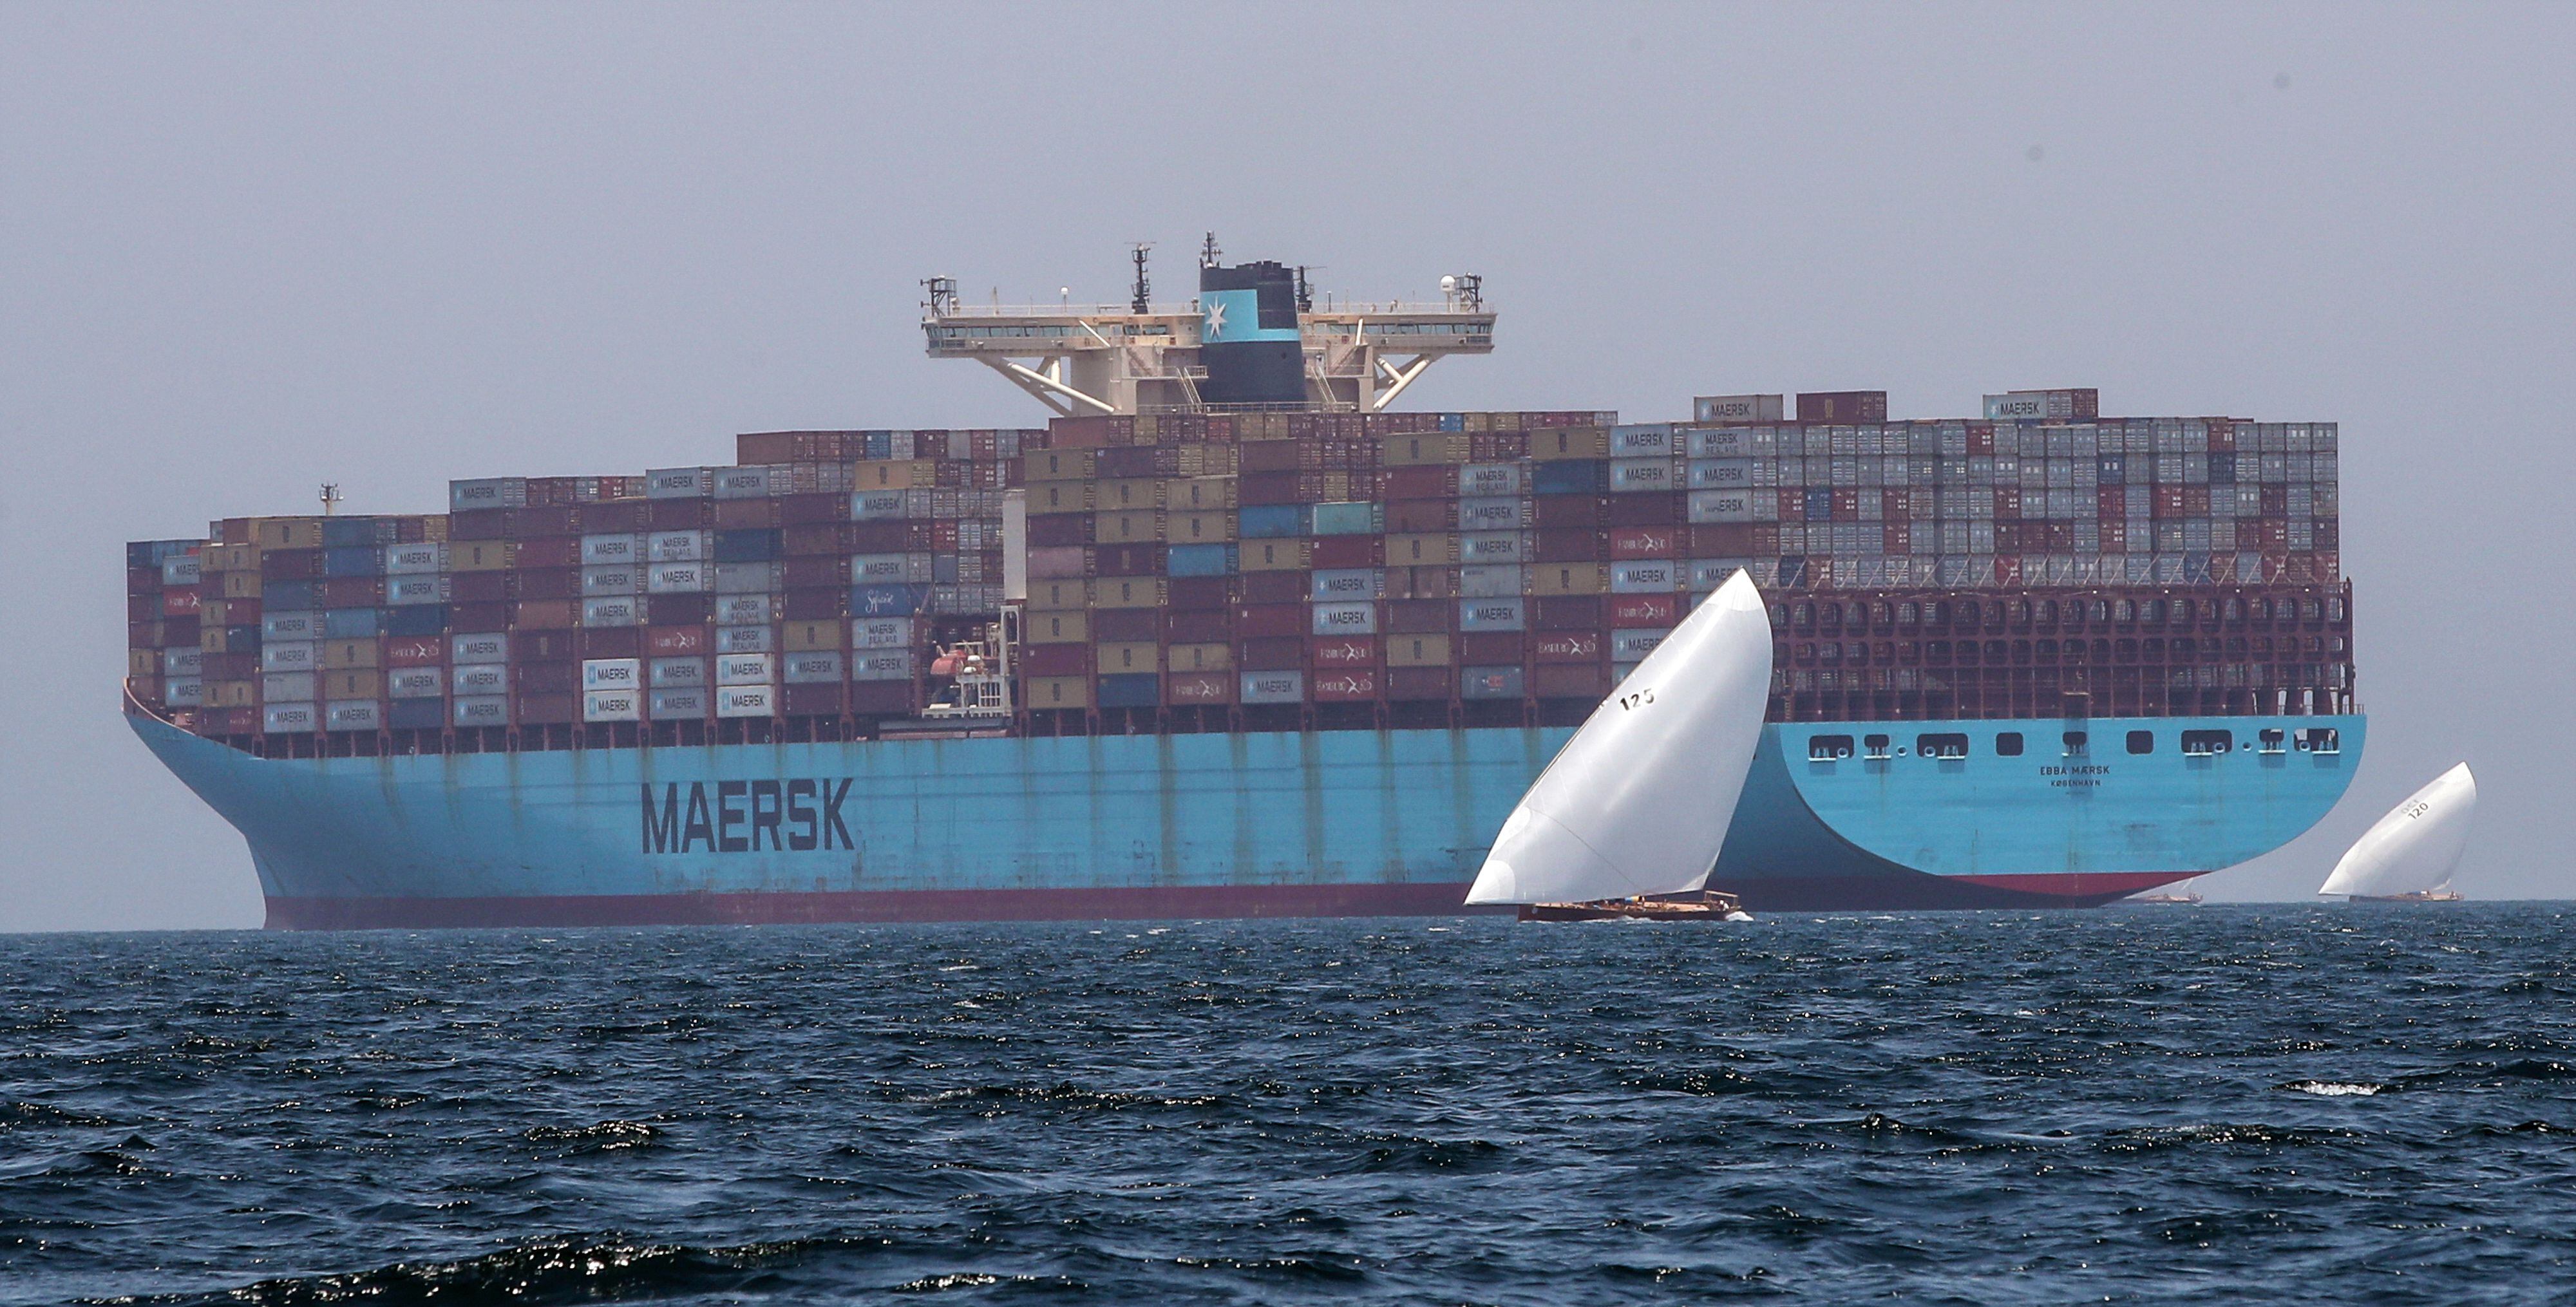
(1131, 690)
(292, 596)
(1490, 683)
(1349, 519)
(1200, 560)
(1573, 476)
(353, 560)
(348, 532)
(416, 619)
(757, 545)
(1453, 421)
(887, 600)
(1820, 505)
(349, 624)
(417, 714)
(1271, 521)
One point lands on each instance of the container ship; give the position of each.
(1232, 636)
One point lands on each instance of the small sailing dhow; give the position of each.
(2409, 855)
(1637, 804)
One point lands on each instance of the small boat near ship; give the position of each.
(2410, 855)
(1709, 905)
(2180, 896)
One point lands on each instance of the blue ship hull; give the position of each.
(1285, 824)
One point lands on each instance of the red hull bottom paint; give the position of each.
(1146, 903)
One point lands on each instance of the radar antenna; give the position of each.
(330, 498)
(943, 296)
(1209, 253)
(1139, 303)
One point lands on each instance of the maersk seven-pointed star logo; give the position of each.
(1215, 320)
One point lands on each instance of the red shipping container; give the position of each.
(1419, 516)
(1276, 587)
(477, 587)
(544, 582)
(143, 581)
(675, 641)
(1342, 651)
(1055, 659)
(817, 569)
(1256, 620)
(1490, 648)
(943, 535)
(1194, 689)
(1348, 685)
(824, 700)
(2167, 502)
(1272, 654)
(561, 677)
(290, 564)
(177, 603)
(1348, 551)
(2111, 503)
(1420, 683)
(679, 610)
(799, 510)
(532, 523)
(2007, 569)
(1567, 647)
(1588, 511)
(2195, 501)
(1126, 625)
(1128, 560)
(539, 646)
(1053, 530)
(1199, 626)
(1981, 437)
(816, 603)
(890, 537)
(415, 650)
(1569, 681)
(1725, 540)
(1646, 509)
(612, 642)
(353, 591)
(1565, 613)
(1419, 616)
(1644, 610)
(1198, 593)
(544, 614)
(546, 552)
(552, 708)
(1895, 506)
(1847, 505)
(1273, 456)
(1645, 542)
(814, 540)
(478, 617)
(478, 524)
(634, 514)
(1436, 481)
(669, 514)
(1279, 488)
(745, 514)
(884, 697)
(1569, 545)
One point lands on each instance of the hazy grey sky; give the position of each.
(247, 249)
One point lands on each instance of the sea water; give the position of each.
(2216, 1104)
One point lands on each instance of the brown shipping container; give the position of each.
(1275, 555)
(1123, 657)
(1644, 510)
(1272, 653)
(1126, 592)
(809, 634)
(1198, 625)
(1569, 442)
(882, 697)
(611, 642)
(1203, 656)
(1418, 616)
(1342, 651)
(1566, 613)
(1288, 587)
(814, 603)
(1566, 647)
(1045, 593)
(1191, 689)
(829, 699)
(1568, 578)
(1053, 693)
(1347, 551)
(545, 614)
(1417, 516)
(1056, 659)
(1060, 626)
(1570, 681)
(1589, 512)
(1125, 625)
(1420, 683)
(1423, 650)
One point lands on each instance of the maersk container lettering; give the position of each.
(479, 678)
(622, 611)
(677, 673)
(746, 701)
(415, 682)
(290, 719)
(353, 715)
(745, 609)
(1274, 687)
(1721, 506)
(1491, 480)
(1346, 583)
(184, 569)
(290, 656)
(813, 667)
(413, 560)
(675, 483)
(1633, 646)
(746, 639)
(679, 578)
(411, 590)
(1493, 547)
(611, 673)
(678, 546)
(881, 633)
(487, 647)
(612, 706)
(1721, 473)
(679, 705)
(1707, 574)
(1345, 619)
(1643, 441)
(303, 624)
(1646, 576)
(612, 579)
(1491, 615)
(182, 662)
(778, 816)
(1728, 442)
(889, 569)
(881, 665)
(1492, 514)
(609, 547)
(886, 505)
(183, 691)
(745, 669)
(743, 482)
(479, 710)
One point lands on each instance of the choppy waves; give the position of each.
(2167, 1106)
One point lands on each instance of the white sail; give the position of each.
(1639, 800)
(2416, 845)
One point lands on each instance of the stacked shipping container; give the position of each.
(801, 585)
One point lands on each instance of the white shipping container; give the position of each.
(479, 647)
(469, 679)
(290, 656)
(181, 569)
(745, 609)
(1274, 687)
(679, 546)
(183, 691)
(1492, 547)
(752, 482)
(677, 673)
(290, 719)
(603, 547)
(1730, 442)
(1707, 574)
(1491, 480)
(745, 669)
(487, 492)
(679, 578)
(813, 667)
(675, 483)
(680, 704)
(415, 559)
(289, 687)
(1490, 580)
(1630, 475)
(612, 706)
(420, 588)
(881, 665)
(746, 701)
(415, 682)
(471, 711)
(189, 660)
(1644, 441)
(1345, 619)
(300, 624)
(881, 633)
(1724, 506)
(353, 715)
(612, 579)
(1736, 408)
(876, 569)
(746, 639)
(1633, 646)
(622, 610)
(611, 673)
(1493, 513)
(1721, 473)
